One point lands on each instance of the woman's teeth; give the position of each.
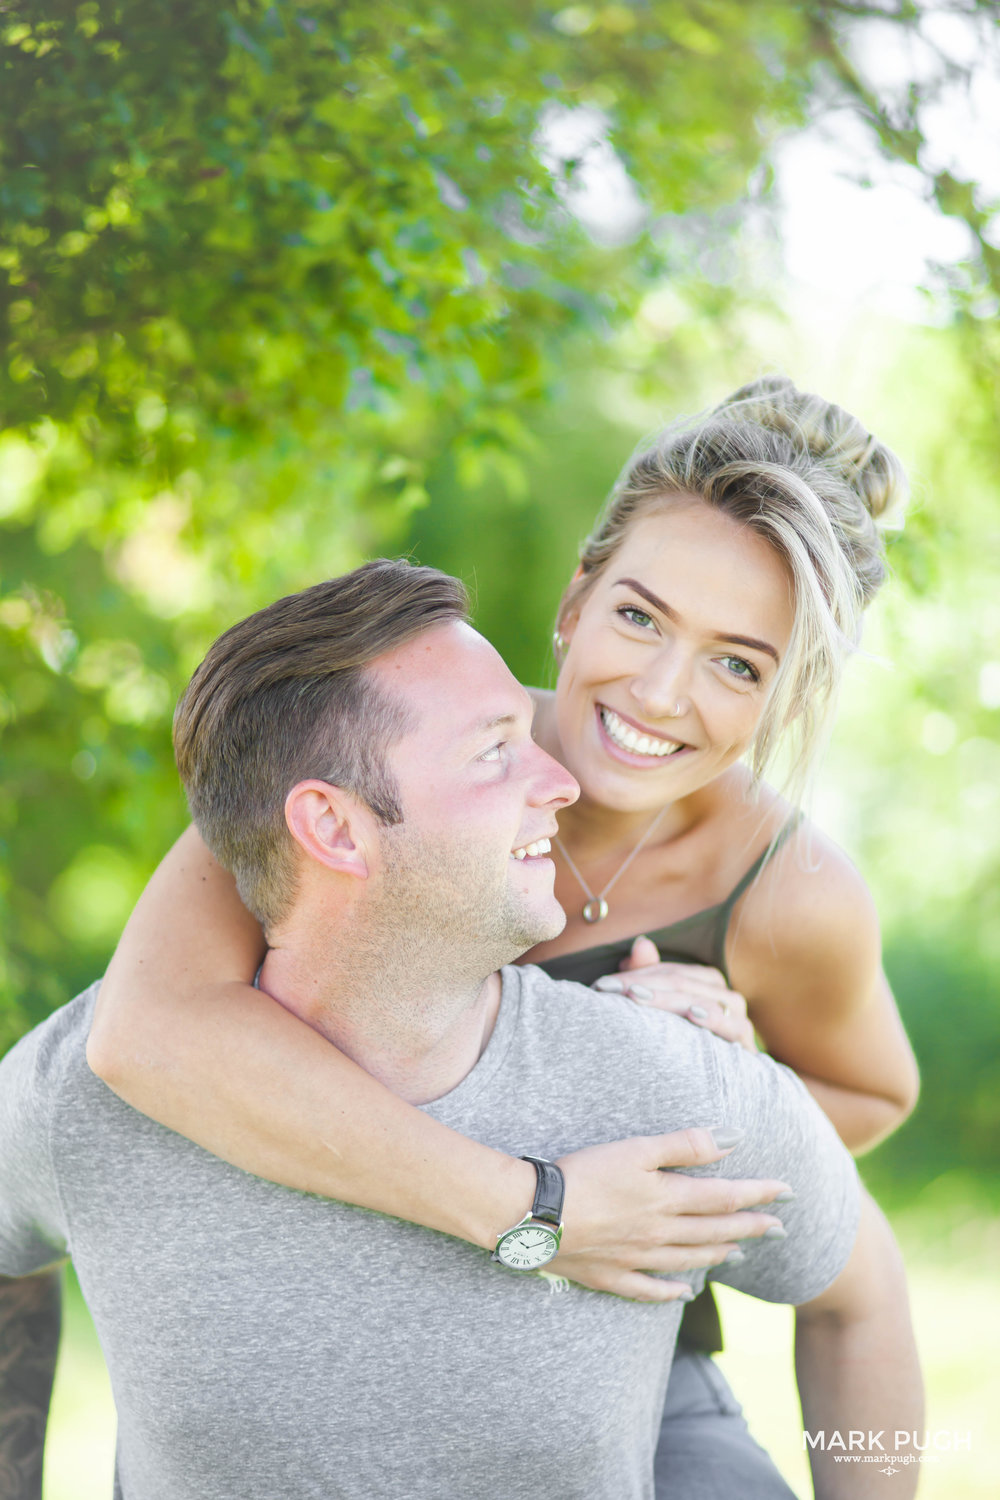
(528, 851)
(630, 739)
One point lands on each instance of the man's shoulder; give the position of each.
(572, 1006)
(56, 1049)
(45, 1071)
(608, 1036)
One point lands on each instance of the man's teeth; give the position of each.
(630, 739)
(541, 846)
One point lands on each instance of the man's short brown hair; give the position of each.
(284, 697)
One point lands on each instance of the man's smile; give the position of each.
(536, 850)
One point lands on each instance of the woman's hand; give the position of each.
(624, 1215)
(698, 993)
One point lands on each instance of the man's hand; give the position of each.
(29, 1340)
(626, 1216)
(698, 993)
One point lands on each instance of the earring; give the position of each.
(558, 644)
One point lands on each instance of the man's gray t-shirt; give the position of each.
(264, 1343)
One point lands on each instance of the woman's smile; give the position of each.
(636, 744)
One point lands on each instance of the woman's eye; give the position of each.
(740, 668)
(636, 616)
(493, 753)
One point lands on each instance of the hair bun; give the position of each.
(828, 436)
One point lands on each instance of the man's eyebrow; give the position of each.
(488, 726)
(671, 614)
(499, 722)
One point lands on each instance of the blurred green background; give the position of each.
(287, 286)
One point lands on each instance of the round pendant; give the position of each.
(596, 910)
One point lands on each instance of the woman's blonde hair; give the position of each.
(809, 478)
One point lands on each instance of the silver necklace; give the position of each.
(597, 907)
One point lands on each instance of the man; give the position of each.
(362, 760)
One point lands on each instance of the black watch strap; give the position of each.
(549, 1192)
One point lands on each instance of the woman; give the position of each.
(708, 621)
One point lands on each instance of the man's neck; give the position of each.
(418, 1033)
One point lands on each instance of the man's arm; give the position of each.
(857, 1368)
(29, 1340)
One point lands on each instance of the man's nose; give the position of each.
(553, 785)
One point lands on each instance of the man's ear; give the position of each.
(331, 826)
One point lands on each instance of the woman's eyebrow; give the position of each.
(671, 614)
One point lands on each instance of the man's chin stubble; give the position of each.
(434, 902)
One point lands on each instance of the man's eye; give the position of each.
(740, 668)
(635, 615)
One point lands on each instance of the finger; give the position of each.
(697, 972)
(694, 984)
(701, 1234)
(675, 1260)
(695, 1147)
(684, 1194)
(640, 1288)
(718, 994)
(658, 981)
(679, 997)
(644, 955)
(710, 976)
(675, 1001)
(611, 984)
(700, 1196)
(728, 1019)
(731, 1002)
(730, 1005)
(729, 1028)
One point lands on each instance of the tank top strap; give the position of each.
(781, 837)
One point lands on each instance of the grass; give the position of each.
(956, 1308)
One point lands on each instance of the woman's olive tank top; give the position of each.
(698, 939)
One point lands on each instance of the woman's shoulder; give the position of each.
(796, 861)
(809, 908)
(810, 870)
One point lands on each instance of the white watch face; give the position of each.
(527, 1247)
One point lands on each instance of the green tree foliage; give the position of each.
(258, 216)
(262, 266)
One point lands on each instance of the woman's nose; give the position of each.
(662, 691)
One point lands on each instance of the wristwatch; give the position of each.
(533, 1242)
